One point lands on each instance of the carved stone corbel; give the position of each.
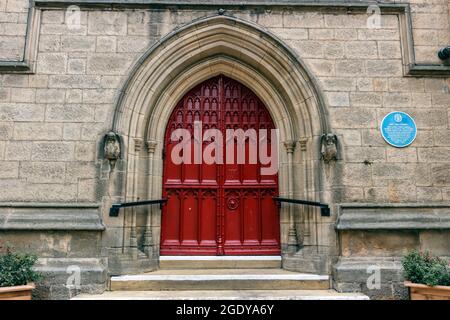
(112, 148)
(329, 149)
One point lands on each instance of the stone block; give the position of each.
(76, 66)
(18, 150)
(346, 21)
(429, 21)
(436, 85)
(99, 96)
(70, 113)
(429, 194)
(38, 81)
(52, 63)
(338, 84)
(109, 64)
(347, 118)
(88, 190)
(338, 99)
(321, 67)
(378, 243)
(438, 154)
(106, 44)
(441, 174)
(350, 68)
(366, 99)
(78, 43)
(308, 48)
(52, 151)
(9, 169)
(389, 50)
(356, 174)
(74, 96)
(361, 50)
(421, 100)
(349, 137)
(74, 81)
(348, 194)
(402, 155)
(85, 151)
(376, 194)
(81, 169)
(50, 95)
(132, 44)
(364, 154)
(303, 20)
(107, 23)
(21, 112)
(15, 80)
(72, 131)
(441, 99)
(6, 130)
(357, 270)
(103, 113)
(43, 172)
(379, 34)
(271, 19)
(92, 132)
(435, 241)
(53, 17)
(406, 85)
(49, 43)
(57, 272)
(402, 191)
(396, 100)
(37, 131)
(22, 95)
(5, 94)
(346, 34)
(384, 68)
(321, 34)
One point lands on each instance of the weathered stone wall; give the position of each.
(13, 26)
(52, 121)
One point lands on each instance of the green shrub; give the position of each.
(16, 269)
(425, 269)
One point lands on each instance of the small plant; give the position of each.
(425, 269)
(16, 269)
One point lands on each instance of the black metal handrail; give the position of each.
(114, 211)
(324, 208)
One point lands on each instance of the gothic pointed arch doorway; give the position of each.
(224, 208)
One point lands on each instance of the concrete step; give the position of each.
(225, 295)
(225, 279)
(220, 262)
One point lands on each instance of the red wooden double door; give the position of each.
(225, 208)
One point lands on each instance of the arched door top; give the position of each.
(247, 50)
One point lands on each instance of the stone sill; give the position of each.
(30, 216)
(399, 216)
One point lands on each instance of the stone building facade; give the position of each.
(70, 74)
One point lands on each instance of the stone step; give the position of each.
(225, 279)
(225, 295)
(220, 262)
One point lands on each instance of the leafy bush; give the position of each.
(425, 269)
(16, 269)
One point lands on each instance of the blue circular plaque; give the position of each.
(398, 129)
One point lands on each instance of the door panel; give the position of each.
(219, 208)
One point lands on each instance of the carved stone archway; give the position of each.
(188, 56)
